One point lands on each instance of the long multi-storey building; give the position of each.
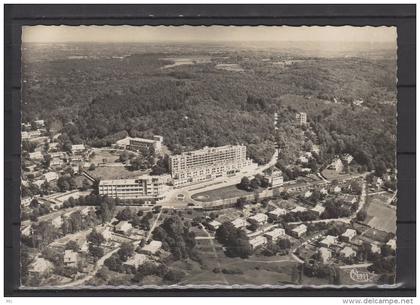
(144, 187)
(208, 163)
(139, 143)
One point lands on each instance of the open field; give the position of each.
(380, 215)
(117, 172)
(255, 270)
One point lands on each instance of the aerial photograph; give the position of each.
(208, 157)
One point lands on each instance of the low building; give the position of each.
(305, 170)
(348, 235)
(56, 162)
(347, 252)
(36, 155)
(239, 223)
(136, 144)
(336, 165)
(258, 219)
(39, 123)
(303, 160)
(275, 214)
(40, 266)
(50, 176)
(78, 148)
(347, 158)
(298, 209)
(123, 227)
(299, 231)
(324, 254)
(323, 191)
(392, 243)
(57, 222)
(276, 178)
(378, 182)
(315, 149)
(319, 209)
(307, 194)
(275, 234)
(38, 182)
(53, 146)
(214, 225)
(358, 102)
(106, 233)
(257, 242)
(70, 258)
(136, 260)
(152, 248)
(27, 231)
(86, 210)
(328, 241)
(374, 248)
(336, 189)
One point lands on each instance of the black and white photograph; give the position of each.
(202, 157)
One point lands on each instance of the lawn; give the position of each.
(103, 155)
(221, 193)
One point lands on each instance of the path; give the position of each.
(215, 254)
(153, 226)
(91, 274)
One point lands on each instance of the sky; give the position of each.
(62, 34)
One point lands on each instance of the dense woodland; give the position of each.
(101, 100)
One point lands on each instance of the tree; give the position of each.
(126, 250)
(92, 167)
(72, 245)
(125, 214)
(85, 185)
(245, 184)
(361, 215)
(46, 161)
(240, 203)
(95, 251)
(284, 244)
(63, 184)
(235, 240)
(95, 238)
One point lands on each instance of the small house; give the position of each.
(348, 235)
(275, 214)
(258, 219)
(299, 231)
(328, 241)
(275, 234)
(70, 258)
(257, 242)
(239, 223)
(152, 248)
(123, 227)
(214, 225)
(347, 252)
(324, 254)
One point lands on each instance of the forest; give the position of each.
(102, 100)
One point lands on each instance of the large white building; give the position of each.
(136, 144)
(208, 163)
(144, 187)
